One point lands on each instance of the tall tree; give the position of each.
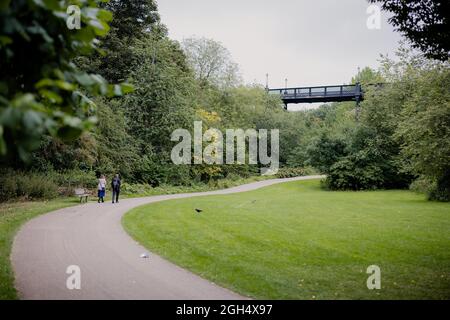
(132, 20)
(211, 62)
(162, 102)
(424, 130)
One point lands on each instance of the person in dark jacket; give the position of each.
(115, 187)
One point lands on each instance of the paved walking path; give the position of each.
(91, 236)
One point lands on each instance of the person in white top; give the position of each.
(101, 188)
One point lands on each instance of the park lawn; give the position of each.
(297, 241)
(12, 216)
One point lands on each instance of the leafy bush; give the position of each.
(222, 184)
(422, 185)
(136, 188)
(41, 93)
(439, 194)
(26, 186)
(433, 189)
(74, 178)
(239, 171)
(442, 190)
(34, 185)
(293, 172)
(351, 174)
(233, 177)
(424, 130)
(324, 151)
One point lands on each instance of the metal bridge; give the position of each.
(336, 93)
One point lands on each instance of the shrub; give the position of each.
(128, 188)
(351, 174)
(439, 195)
(435, 190)
(233, 177)
(422, 185)
(324, 151)
(75, 178)
(8, 187)
(293, 172)
(441, 192)
(29, 186)
(37, 186)
(239, 171)
(371, 167)
(221, 184)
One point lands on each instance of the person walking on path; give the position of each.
(115, 187)
(101, 188)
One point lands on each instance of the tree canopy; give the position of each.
(211, 62)
(426, 23)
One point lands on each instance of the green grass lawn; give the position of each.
(12, 216)
(296, 241)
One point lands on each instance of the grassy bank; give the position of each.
(296, 241)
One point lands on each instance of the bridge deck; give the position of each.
(336, 93)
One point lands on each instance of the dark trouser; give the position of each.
(115, 195)
(101, 195)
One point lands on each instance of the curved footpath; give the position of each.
(91, 236)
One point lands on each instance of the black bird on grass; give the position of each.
(198, 210)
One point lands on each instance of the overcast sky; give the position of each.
(310, 42)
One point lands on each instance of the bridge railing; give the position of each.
(323, 91)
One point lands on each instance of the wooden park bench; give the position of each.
(82, 194)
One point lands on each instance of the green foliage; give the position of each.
(293, 172)
(424, 22)
(44, 92)
(132, 19)
(133, 132)
(354, 172)
(56, 154)
(422, 185)
(368, 76)
(116, 148)
(164, 96)
(211, 62)
(34, 185)
(162, 102)
(71, 179)
(29, 186)
(402, 134)
(404, 130)
(324, 151)
(424, 129)
(442, 190)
